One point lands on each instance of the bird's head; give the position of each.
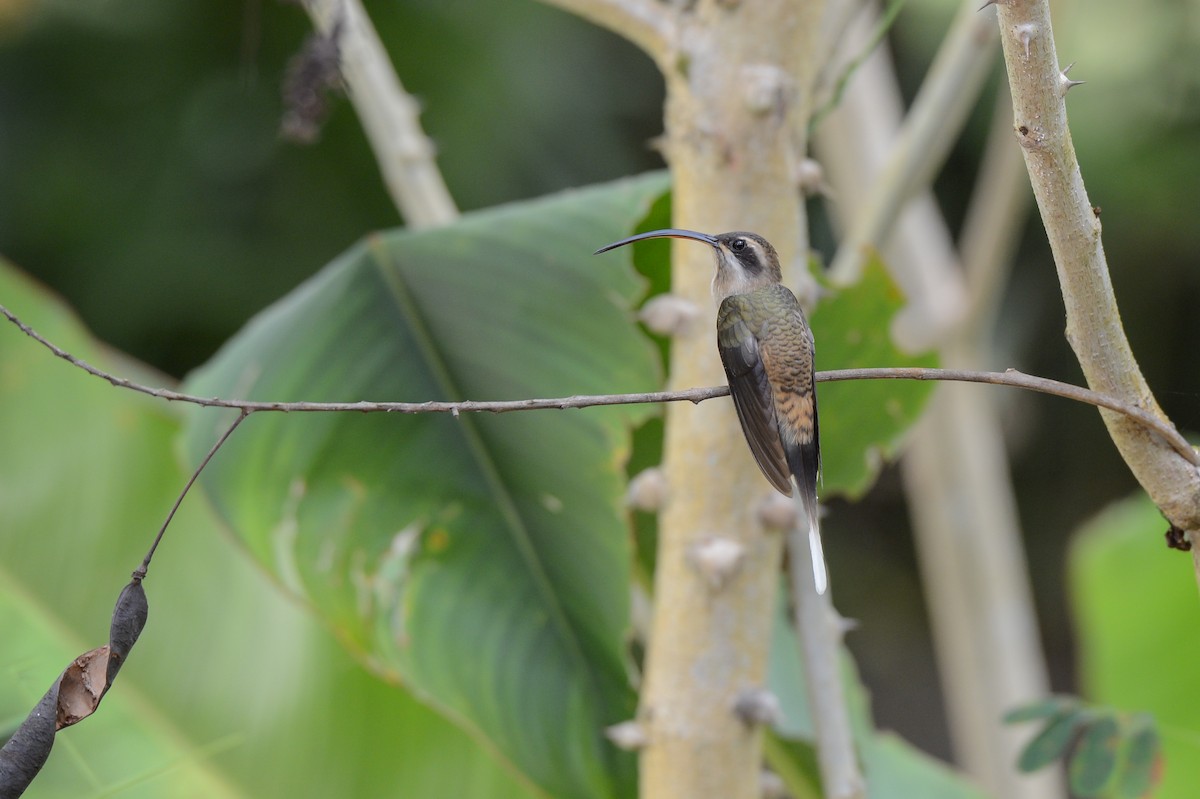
(745, 261)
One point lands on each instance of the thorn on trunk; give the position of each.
(717, 560)
(772, 786)
(628, 735)
(810, 178)
(647, 491)
(669, 315)
(757, 706)
(844, 625)
(1025, 34)
(1065, 84)
(777, 512)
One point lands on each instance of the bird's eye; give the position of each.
(737, 245)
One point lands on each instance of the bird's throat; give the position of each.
(731, 280)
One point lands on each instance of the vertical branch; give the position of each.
(820, 629)
(1039, 87)
(389, 115)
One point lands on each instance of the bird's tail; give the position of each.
(805, 468)
(807, 517)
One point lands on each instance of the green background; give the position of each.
(142, 178)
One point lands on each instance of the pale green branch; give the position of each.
(389, 115)
(1094, 329)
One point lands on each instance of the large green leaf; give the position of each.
(1139, 630)
(232, 691)
(483, 560)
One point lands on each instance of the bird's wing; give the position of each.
(788, 357)
(751, 391)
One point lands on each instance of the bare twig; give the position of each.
(140, 572)
(1010, 377)
(389, 114)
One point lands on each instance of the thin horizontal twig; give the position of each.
(1010, 377)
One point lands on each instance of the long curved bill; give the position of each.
(665, 233)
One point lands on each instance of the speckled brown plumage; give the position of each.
(767, 348)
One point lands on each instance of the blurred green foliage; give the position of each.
(144, 178)
(1107, 753)
(141, 176)
(1139, 630)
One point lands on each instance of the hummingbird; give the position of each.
(767, 349)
